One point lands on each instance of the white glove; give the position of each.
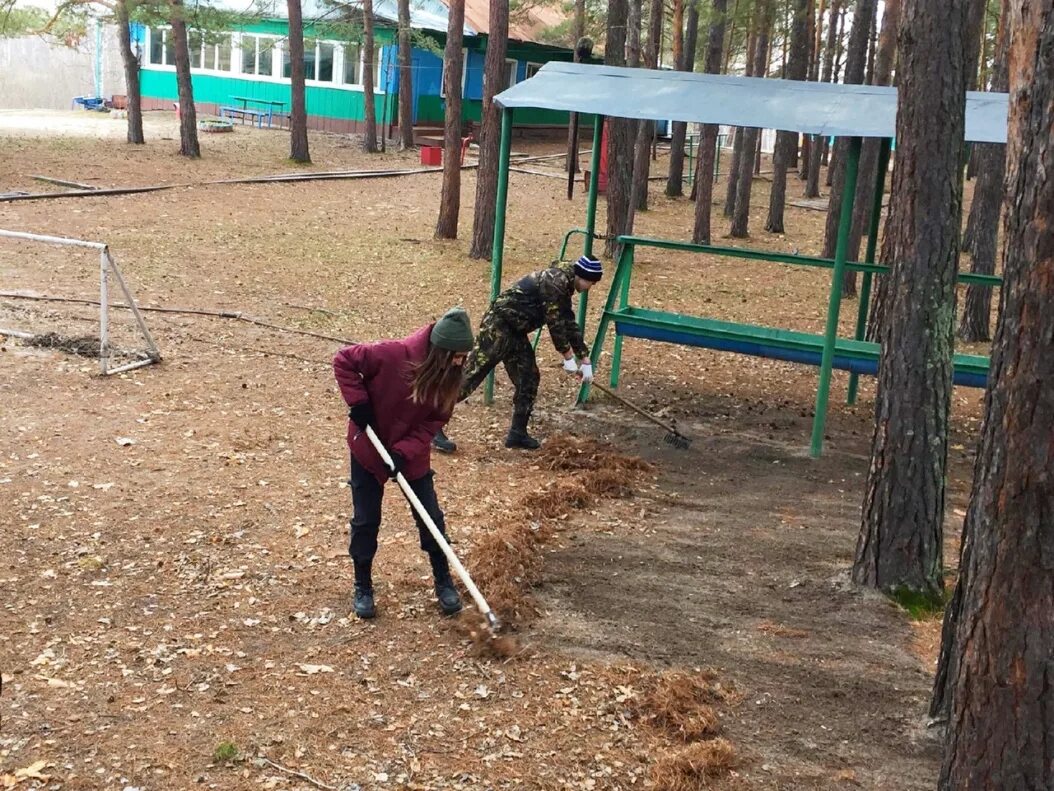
(570, 365)
(587, 372)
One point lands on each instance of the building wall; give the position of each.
(35, 74)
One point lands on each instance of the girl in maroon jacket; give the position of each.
(406, 390)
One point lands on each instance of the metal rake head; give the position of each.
(679, 441)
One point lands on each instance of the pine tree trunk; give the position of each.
(620, 131)
(675, 179)
(1002, 716)
(739, 153)
(406, 79)
(646, 129)
(579, 31)
(704, 171)
(490, 131)
(812, 184)
(450, 201)
(787, 142)
(983, 224)
(188, 119)
(571, 160)
(899, 547)
(298, 145)
(856, 64)
(369, 138)
(741, 213)
(131, 75)
(868, 168)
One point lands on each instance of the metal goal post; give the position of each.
(107, 267)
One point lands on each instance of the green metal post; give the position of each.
(717, 158)
(591, 209)
(498, 247)
(869, 258)
(834, 301)
(623, 301)
(621, 269)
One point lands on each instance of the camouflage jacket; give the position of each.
(543, 297)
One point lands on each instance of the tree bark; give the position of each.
(738, 151)
(983, 223)
(646, 129)
(787, 142)
(675, 179)
(899, 548)
(131, 75)
(450, 201)
(856, 62)
(741, 213)
(812, 184)
(188, 120)
(490, 131)
(578, 33)
(369, 138)
(1002, 716)
(868, 168)
(298, 145)
(620, 131)
(406, 79)
(704, 172)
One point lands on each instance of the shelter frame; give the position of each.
(810, 108)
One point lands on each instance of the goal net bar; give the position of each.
(107, 267)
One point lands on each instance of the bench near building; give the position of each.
(244, 75)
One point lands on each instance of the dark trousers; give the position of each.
(366, 497)
(496, 344)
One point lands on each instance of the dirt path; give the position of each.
(741, 563)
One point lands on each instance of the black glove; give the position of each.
(398, 462)
(362, 415)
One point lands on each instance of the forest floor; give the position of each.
(175, 585)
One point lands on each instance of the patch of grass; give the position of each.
(920, 605)
(224, 752)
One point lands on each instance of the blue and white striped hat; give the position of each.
(589, 268)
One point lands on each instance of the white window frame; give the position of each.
(515, 72)
(279, 47)
(532, 64)
(464, 75)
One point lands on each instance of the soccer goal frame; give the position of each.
(107, 266)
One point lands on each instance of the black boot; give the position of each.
(518, 436)
(441, 443)
(446, 594)
(364, 606)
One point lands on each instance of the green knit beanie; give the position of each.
(453, 331)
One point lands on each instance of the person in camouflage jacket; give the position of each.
(542, 297)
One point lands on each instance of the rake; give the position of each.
(673, 436)
(492, 620)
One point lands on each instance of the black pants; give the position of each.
(366, 497)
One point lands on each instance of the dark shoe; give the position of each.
(364, 606)
(522, 440)
(442, 444)
(518, 436)
(447, 595)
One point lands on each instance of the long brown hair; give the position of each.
(436, 380)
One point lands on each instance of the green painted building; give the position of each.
(252, 63)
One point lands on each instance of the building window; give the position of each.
(325, 61)
(352, 64)
(195, 46)
(464, 73)
(265, 63)
(157, 46)
(532, 69)
(510, 74)
(222, 52)
(249, 45)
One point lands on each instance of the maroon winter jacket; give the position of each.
(379, 373)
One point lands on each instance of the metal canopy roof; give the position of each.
(811, 107)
